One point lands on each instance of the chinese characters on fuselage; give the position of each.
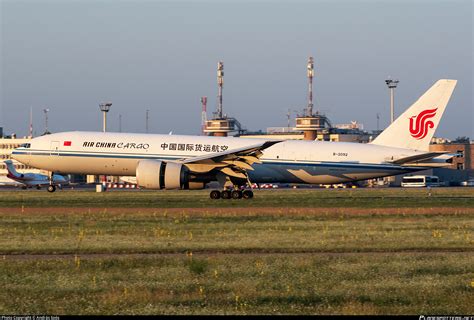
(193, 147)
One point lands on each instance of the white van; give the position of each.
(420, 181)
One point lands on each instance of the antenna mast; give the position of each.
(309, 109)
(31, 123)
(220, 83)
(203, 114)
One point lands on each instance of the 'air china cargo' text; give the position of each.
(114, 145)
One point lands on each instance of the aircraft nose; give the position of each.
(21, 156)
(15, 154)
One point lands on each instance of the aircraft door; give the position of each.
(54, 148)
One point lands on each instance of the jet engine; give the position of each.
(155, 174)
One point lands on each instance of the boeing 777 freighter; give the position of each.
(189, 162)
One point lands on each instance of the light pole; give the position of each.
(288, 117)
(46, 110)
(146, 120)
(105, 107)
(392, 84)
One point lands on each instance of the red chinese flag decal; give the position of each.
(67, 143)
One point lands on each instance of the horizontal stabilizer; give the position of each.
(418, 158)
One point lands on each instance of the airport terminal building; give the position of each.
(6, 147)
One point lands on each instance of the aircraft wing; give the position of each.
(419, 158)
(234, 162)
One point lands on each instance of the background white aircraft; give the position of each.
(5, 181)
(28, 180)
(187, 162)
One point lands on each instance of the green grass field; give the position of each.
(364, 198)
(284, 252)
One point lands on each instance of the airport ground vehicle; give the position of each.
(420, 181)
(468, 183)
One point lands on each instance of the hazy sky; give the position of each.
(69, 56)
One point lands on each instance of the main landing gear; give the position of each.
(51, 187)
(233, 189)
(231, 194)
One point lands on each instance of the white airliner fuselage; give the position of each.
(180, 162)
(286, 162)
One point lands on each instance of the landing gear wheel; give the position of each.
(236, 194)
(38, 187)
(225, 194)
(51, 188)
(215, 194)
(247, 194)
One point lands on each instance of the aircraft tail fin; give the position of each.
(11, 169)
(417, 125)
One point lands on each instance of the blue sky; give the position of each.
(162, 55)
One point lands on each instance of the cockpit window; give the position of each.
(25, 145)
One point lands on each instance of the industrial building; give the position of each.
(465, 151)
(462, 167)
(338, 133)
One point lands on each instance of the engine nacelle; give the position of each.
(155, 174)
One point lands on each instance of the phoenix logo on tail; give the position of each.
(419, 127)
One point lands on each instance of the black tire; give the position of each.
(236, 194)
(225, 194)
(51, 188)
(215, 194)
(247, 194)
